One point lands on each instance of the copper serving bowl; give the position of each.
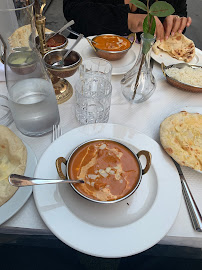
(22, 62)
(59, 38)
(137, 167)
(72, 62)
(112, 55)
(179, 84)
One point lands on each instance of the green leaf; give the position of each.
(139, 4)
(148, 36)
(161, 9)
(146, 24)
(146, 47)
(147, 43)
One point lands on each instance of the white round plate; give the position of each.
(117, 230)
(119, 67)
(190, 110)
(165, 58)
(10, 208)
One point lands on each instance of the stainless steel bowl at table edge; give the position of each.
(61, 160)
(113, 55)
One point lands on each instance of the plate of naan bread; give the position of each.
(176, 49)
(15, 157)
(181, 137)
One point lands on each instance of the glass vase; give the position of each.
(30, 92)
(138, 84)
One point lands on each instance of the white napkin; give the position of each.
(2, 73)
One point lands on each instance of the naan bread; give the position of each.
(181, 137)
(21, 36)
(178, 46)
(13, 159)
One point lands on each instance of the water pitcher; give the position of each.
(30, 92)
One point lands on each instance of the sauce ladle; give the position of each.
(23, 181)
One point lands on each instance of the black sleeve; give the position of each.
(97, 16)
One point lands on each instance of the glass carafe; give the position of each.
(138, 84)
(30, 92)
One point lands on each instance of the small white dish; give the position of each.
(111, 231)
(16, 202)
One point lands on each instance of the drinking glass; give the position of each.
(95, 66)
(30, 92)
(5, 113)
(93, 99)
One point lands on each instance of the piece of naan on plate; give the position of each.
(21, 36)
(13, 159)
(181, 137)
(178, 46)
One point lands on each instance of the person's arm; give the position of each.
(97, 16)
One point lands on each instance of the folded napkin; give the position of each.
(2, 73)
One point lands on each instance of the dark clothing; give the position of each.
(107, 16)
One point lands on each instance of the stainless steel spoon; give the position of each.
(61, 62)
(23, 181)
(60, 30)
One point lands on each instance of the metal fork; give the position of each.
(57, 132)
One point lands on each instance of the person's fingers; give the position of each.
(189, 21)
(176, 25)
(159, 30)
(183, 24)
(160, 33)
(168, 24)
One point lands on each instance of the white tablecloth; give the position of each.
(145, 118)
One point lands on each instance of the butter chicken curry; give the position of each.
(111, 43)
(110, 170)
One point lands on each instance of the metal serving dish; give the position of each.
(112, 55)
(73, 61)
(142, 171)
(22, 62)
(58, 37)
(179, 84)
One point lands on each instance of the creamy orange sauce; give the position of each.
(109, 169)
(111, 43)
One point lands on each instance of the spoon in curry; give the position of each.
(61, 62)
(23, 181)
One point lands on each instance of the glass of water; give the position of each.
(95, 66)
(31, 95)
(93, 99)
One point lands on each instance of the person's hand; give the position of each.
(132, 7)
(174, 23)
(159, 33)
(135, 22)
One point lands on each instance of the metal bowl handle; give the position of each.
(163, 69)
(148, 158)
(58, 163)
(134, 37)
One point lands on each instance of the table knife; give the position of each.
(193, 210)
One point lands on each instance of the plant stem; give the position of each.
(138, 75)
